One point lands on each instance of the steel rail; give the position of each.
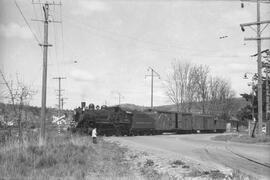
(249, 159)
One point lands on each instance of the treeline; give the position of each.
(190, 84)
(250, 111)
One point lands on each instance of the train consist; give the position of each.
(118, 121)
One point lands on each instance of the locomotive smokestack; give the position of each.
(83, 104)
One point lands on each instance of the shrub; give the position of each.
(35, 150)
(148, 162)
(178, 163)
(46, 162)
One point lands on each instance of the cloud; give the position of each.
(81, 75)
(87, 7)
(13, 30)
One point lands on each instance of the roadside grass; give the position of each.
(149, 172)
(242, 138)
(72, 156)
(65, 156)
(237, 175)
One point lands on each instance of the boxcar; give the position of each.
(184, 124)
(165, 121)
(220, 125)
(142, 123)
(198, 122)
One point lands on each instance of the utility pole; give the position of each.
(44, 74)
(266, 65)
(267, 93)
(253, 85)
(62, 103)
(153, 73)
(45, 46)
(258, 23)
(59, 93)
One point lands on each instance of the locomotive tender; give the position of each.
(120, 121)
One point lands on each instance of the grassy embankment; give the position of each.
(65, 156)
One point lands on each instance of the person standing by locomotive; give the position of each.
(94, 135)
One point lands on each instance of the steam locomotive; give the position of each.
(120, 121)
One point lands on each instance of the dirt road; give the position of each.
(251, 159)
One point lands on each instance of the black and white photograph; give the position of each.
(134, 89)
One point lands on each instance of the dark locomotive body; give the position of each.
(108, 120)
(118, 121)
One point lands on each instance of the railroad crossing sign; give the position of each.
(59, 121)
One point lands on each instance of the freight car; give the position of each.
(119, 121)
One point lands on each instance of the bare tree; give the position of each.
(192, 88)
(173, 87)
(189, 84)
(213, 94)
(181, 85)
(18, 95)
(220, 96)
(226, 98)
(202, 85)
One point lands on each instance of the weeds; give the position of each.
(149, 171)
(237, 175)
(64, 157)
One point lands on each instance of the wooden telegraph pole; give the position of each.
(45, 45)
(258, 23)
(44, 75)
(266, 65)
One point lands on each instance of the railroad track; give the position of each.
(249, 159)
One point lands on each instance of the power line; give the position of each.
(62, 31)
(55, 42)
(168, 46)
(155, 49)
(36, 16)
(110, 35)
(35, 36)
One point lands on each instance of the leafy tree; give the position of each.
(253, 99)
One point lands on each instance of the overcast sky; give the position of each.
(114, 41)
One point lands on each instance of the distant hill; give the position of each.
(238, 103)
(196, 107)
(133, 107)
